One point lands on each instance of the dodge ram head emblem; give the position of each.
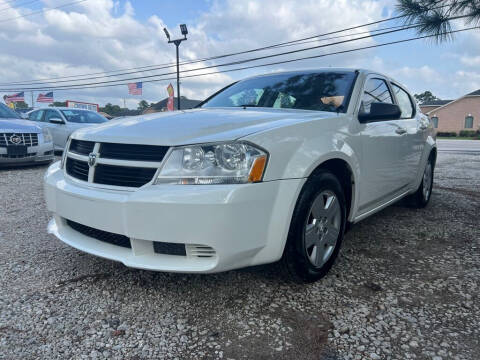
(15, 139)
(92, 159)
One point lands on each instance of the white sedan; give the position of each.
(63, 121)
(270, 168)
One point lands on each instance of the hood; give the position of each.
(19, 126)
(195, 126)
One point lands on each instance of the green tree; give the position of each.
(58, 104)
(21, 105)
(142, 105)
(424, 97)
(111, 109)
(434, 17)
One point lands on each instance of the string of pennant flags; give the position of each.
(133, 89)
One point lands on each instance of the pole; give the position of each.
(178, 77)
(124, 103)
(31, 93)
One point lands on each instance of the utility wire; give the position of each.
(284, 61)
(211, 66)
(167, 65)
(397, 28)
(41, 11)
(17, 5)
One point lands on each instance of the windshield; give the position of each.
(323, 91)
(83, 117)
(7, 113)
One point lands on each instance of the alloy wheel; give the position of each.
(322, 228)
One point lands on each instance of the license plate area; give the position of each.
(17, 150)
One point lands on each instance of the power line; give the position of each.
(205, 67)
(398, 28)
(285, 61)
(17, 5)
(41, 11)
(163, 66)
(211, 66)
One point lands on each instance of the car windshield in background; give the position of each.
(325, 91)
(83, 117)
(6, 113)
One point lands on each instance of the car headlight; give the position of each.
(221, 163)
(47, 136)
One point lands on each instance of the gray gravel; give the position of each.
(406, 286)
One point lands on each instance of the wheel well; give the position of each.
(433, 155)
(344, 174)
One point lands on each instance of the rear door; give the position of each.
(413, 141)
(380, 142)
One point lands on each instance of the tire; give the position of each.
(316, 230)
(422, 196)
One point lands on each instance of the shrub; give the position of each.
(446, 134)
(468, 133)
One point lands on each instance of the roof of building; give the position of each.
(474, 93)
(436, 103)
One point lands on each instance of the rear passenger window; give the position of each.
(404, 102)
(376, 90)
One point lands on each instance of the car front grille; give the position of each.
(10, 139)
(133, 152)
(123, 165)
(105, 236)
(123, 175)
(77, 169)
(81, 147)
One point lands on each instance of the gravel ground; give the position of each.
(405, 286)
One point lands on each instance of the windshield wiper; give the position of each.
(247, 105)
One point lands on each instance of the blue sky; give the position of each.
(103, 35)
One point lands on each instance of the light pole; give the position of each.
(183, 29)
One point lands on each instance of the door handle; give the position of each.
(401, 131)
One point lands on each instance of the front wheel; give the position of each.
(317, 228)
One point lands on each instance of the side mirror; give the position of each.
(56, 121)
(380, 111)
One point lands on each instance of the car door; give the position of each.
(380, 155)
(38, 117)
(413, 141)
(56, 129)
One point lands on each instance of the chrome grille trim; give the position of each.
(29, 139)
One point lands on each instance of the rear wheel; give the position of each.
(317, 228)
(422, 196)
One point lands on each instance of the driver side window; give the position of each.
(376, 90)
(52, 114)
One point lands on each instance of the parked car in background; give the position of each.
(23, 141)
(269, 168)
(62, 121)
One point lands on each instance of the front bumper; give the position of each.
(244, 224)
(41, 153)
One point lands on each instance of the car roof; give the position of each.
(58, 108)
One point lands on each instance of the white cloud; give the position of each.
(102, 35)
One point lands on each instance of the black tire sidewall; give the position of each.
(295, 254)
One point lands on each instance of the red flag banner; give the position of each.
(171, 93)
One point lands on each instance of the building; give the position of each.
(455, 115)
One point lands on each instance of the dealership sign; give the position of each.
(82, 105)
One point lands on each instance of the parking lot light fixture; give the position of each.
(177, 42)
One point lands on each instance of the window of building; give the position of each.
(469, 122)
(435, 121)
